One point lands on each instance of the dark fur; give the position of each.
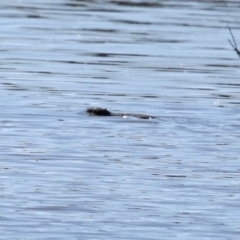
(98, 111)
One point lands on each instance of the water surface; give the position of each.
(65, 174)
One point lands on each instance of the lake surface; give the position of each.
(67, 175)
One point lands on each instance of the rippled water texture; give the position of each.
(67, 175)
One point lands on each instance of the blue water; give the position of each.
(67, 175)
